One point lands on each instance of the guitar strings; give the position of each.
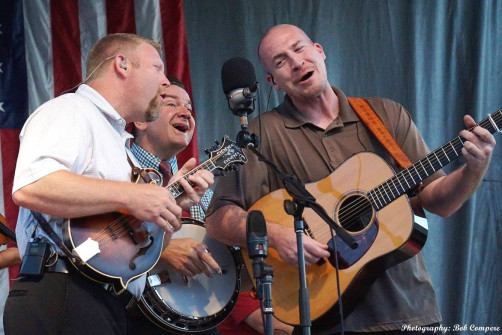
(379, 192)
(440, 155)
(452, 147)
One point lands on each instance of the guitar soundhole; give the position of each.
(355, 213)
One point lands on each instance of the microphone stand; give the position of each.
(263, 274)
(296, 210)
(301, 199)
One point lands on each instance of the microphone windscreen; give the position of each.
(256, 224)
(237, 73)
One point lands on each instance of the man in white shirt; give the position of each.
(74, 162)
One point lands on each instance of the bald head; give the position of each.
(264, 52)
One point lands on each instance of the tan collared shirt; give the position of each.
(404, 294)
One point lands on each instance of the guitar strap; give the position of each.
(377, 127)
(138, 172)
(56, 239)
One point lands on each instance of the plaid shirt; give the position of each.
(148, 160)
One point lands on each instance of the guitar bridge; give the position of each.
(308, 232)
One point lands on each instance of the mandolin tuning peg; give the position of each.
(217, 143)
(207, 151)
(232, 167)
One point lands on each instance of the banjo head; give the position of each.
(192, 304)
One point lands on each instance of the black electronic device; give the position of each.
(35, 258)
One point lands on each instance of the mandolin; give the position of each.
(117, 248)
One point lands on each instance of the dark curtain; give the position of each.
(440, 59)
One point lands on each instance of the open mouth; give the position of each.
(181, 127)
(306, 76)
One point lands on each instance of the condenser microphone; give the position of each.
(256, 235)
(239, 85)
(257, 243)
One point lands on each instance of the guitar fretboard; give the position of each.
(176, 189)
(409, 178)
(228, 155)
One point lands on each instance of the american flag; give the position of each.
(43, 48)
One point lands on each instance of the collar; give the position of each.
(104, 106)
(149, 160)
(294, 119)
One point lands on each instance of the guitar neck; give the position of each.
(223, 158)
(176, 189)
(409, 178)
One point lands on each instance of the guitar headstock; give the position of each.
(226, 156)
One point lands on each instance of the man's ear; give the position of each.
(271, 80)
(140, 125)
(320, 50)
(120, 64)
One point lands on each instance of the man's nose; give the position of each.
(185, 112)
(297, 62)
(164, 81)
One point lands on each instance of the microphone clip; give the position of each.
(241, 101)
(246, 140)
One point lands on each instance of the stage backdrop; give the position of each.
(440, 59)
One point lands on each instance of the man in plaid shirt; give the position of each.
(156, 144)
(148, 160)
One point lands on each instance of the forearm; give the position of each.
(9, 257)
(65, 194)
(228, 225)
(446, 195)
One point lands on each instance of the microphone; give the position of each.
(239, 85)
(257, 243)
(256, 236)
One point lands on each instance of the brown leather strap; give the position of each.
(376, 126)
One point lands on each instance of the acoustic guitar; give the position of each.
(366, 198)
(118, 248)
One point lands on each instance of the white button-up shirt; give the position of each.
(79, 132)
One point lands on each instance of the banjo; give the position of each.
(182, 304)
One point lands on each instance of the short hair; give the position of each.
(112, 44)
(269, 32)
(176, 82)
